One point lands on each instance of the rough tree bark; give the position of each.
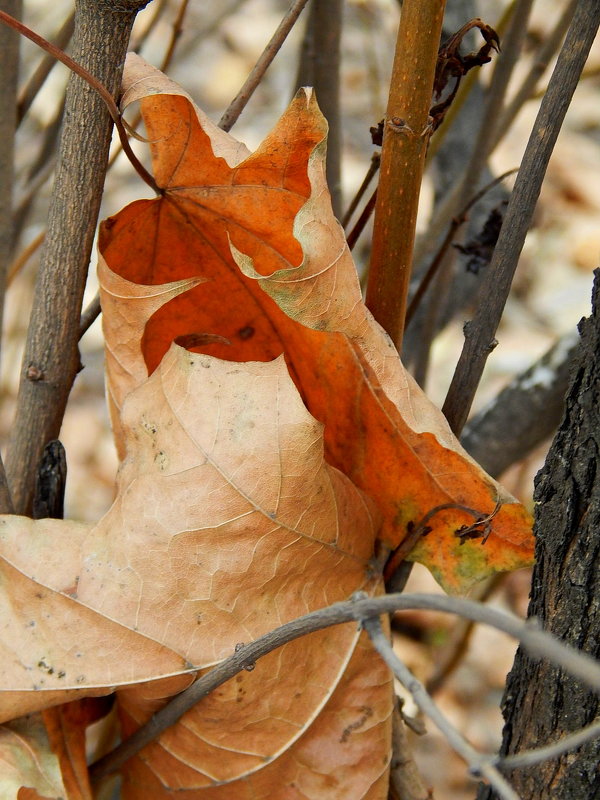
(541, 703)
(51, 358)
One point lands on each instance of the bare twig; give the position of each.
(538, 643)
(365, 215)
(371, 172)
(479, 764)
(89, 316)
(89, 78)
(405, 139)
(572, 741)
(479, 334)
(9, 61)
(239, 102)
(176, 31)
(51, 358)
(24, 256)
(540, 63)
(455, 224)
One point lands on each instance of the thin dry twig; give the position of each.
(239, 102)
(526, 90)
(480, 333)
(405, 781)
(479, 764)
(529, 758)
(455, 224)
(371, 172)
(538, 643)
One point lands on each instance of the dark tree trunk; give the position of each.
(541, 703)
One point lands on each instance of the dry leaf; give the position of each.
(245, 230)
(259, 468)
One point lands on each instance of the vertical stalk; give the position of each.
(402, 161)
(9, 70)
(51, 358)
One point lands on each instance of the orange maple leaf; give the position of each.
(244, 247)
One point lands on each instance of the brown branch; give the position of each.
(371, 172)
(405, 781)
(456, 223)
(480, 333)
(403, 153)
(239, 102)
(9, 65)
(51, 357)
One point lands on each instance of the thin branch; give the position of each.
(359, 227)
(479, 334)
(89, 316)
(456, 223)
(24, 256)
(540, 63)
(538, 643)
(176, 31)
(239, 102)
(9, 66)
(51, 357)
(405, 140)
(405, 781)
(479, 764)
(371, 172)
